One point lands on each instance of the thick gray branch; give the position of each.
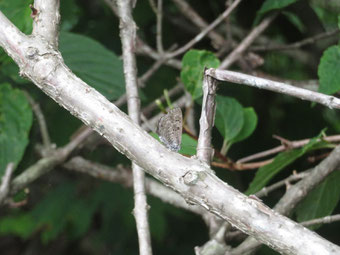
(188, 176)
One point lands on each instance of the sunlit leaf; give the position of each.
(229, 117)
(193, 64)
(249, 125)
(18, 12)
(328, 70)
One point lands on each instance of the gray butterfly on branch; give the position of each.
(169, 129)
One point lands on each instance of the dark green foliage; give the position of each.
(18, 12)
(93, 63)
(272, 5)
(321, 201)
(15, 124)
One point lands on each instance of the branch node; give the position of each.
(31, 52)
(191, 178)
(34, 13)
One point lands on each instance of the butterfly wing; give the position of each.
(169, 129)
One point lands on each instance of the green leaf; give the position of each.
(229, 117)
(321, 201)
(62, 210)
(50, 213)
(10, 69)
(267, 172)
(93, 63)
(328, 70)
(188, 146)
(18, 12)
(249, 125)
(270, 5)
(22, 225)
(295, 20)
(193, 64)
(15, 124)
(70, 13)
(80, 217)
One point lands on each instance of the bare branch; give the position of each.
(304, 94)
(296, 45)
(201, 35)
(188, 176)
(46, 21)
(323, 220)
(296, 193)
(236, 53)
(192, 16)
(294, 177)
(5, 182)
(153, 106)
(207, 120)
(159, 27)
(124, 177)
(128, 38)
(293, 144)
(46, 164)
(41, 121)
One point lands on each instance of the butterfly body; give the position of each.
(169, 129)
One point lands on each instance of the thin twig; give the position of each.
(41, 121)
(294, 177)
(159, 16)
(241, 166)
(282, 88)
(147, 110)
(147, 75)
(296, 45)
(153, 6)
(128, 39)
(323, 220)
(236, 53)
(123, 176)
(144, 49)
(5, 182)
(293, 144)
(47, 163)
(201, 35)
(196, 19)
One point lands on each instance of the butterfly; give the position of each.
(169, 129)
